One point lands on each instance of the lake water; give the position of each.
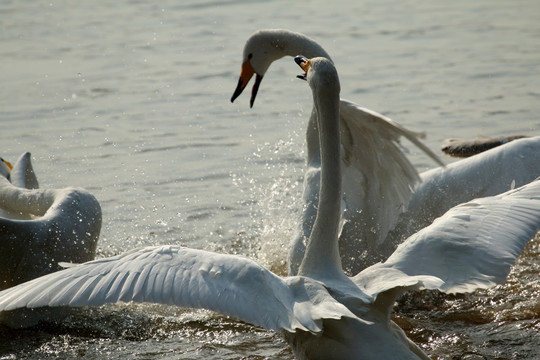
(130, 100)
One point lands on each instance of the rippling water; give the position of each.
(131, 101)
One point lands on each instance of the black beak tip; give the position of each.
(255, 89)
(238, 90)
(299, 59)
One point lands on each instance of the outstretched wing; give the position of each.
(490, 173)
(232, 285)
(472, 246)
(378, 179)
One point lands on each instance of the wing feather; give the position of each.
(379, 178)
(472, 246)
(232, 285)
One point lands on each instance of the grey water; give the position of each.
(130, 100)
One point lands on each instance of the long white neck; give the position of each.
(279, 43)
(23, 201)
(298, 44)
(293, 44)
(322, 254)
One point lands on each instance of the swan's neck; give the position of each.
(289, 43)
(279, 43)
(23, 201)
(298, 44)
(293, 44)
(312, 141)
(322, 254)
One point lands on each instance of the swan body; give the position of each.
(321, 312)
(41, 227)
(373, 165)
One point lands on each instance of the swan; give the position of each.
(321, 312)
(385, 200)
(377, 177)
(40, 228)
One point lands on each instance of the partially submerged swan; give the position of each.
(322, 313)
(373, 164)
(39, 228)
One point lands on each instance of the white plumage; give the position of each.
(377, 177)
(474, 244)
(380, 207)
(41, 227)
(321, 312)
(490, 173)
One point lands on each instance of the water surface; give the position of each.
(131, 101)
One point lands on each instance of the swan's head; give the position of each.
(261, 49)
(266, 46)
(320, 74)
(5, 168)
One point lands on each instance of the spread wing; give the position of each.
(228, 284)
(472, 246)
(378, 179)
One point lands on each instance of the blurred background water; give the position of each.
(130, 99)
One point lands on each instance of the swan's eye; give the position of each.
(250, 56)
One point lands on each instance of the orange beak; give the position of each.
(305, 64)
(7, 163)
(245, 75)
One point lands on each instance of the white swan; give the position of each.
(377, 177)
(40, 228)
(322, 313)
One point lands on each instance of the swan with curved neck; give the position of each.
(380, 210)
(321, 312)
(377, 177)
(41, 227)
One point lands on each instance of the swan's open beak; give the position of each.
(245, 75)
(305, 64)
